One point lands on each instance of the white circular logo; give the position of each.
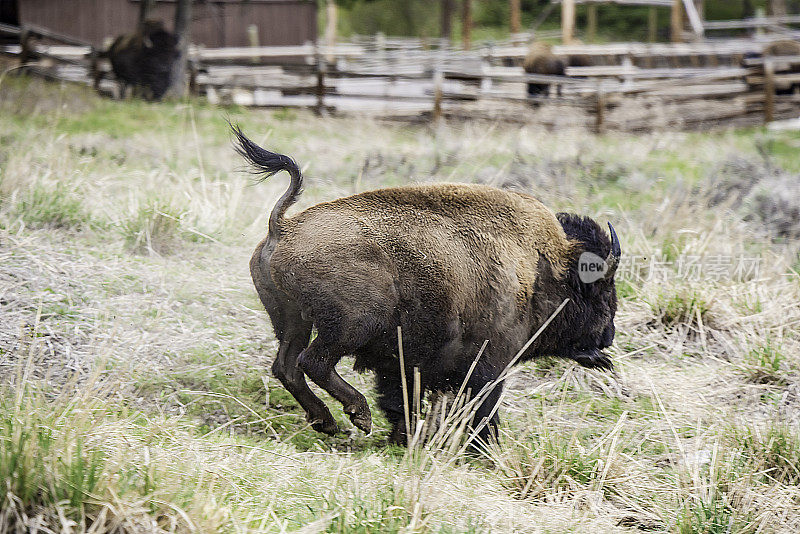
(591, 267)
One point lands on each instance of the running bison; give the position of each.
(452, 264)
(144, 59)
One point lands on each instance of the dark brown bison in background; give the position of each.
(452, 264)
(786, 47)
(540, 60)
(144, 59)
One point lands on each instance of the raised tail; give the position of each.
(266, 164)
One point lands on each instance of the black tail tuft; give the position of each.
(265, 163)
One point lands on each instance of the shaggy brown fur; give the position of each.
(452, 264)
(785, 47)
(540, 60)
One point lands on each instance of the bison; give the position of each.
(784, 47)
(145, 59)
(540, 60)
(454, 265)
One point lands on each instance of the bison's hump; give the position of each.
(440, 228)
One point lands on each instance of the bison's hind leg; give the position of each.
(319, 361)
(293, 340)
(293, 333)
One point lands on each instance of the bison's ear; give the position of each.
(572, 224)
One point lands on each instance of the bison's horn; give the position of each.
(612, 261)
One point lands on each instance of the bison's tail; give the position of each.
(266, 164)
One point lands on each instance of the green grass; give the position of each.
(227, 398)
(781, 149)
(154, 227)
(713, 515)
(47, 457)
(183, 422)
(70, 452)
(683, 306)
(773, 452)
(764, 364)
(765, 459)
(58, 207)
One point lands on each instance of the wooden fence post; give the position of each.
(567, 21)
(94, 69)
(252, 40)
(330, 29)
(769, 90)
(194, 88)
(466, 24)
(321, 68)
(652, 24)
(145, 7)
(446, 13)
(25, 38)
(438, 80)
(486, 79)
(777, 8)
(591, 22)
(515, 24)
(380, 46)
(676, 21)
(692, 14)
(600, 109)
(760, 15)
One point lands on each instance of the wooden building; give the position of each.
(215, 23)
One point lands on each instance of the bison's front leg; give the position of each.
(390, 399)
(319, 361)
(593, 359)
(485, 416)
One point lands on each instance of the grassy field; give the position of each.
(134, 386)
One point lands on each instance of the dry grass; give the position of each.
(133, 351)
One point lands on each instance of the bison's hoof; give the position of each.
(363, 422)
(325, 425)
(398, 436)
(362, 418)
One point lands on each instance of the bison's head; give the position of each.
(586, 325)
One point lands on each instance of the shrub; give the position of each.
(52, 208)
(773, 452)
(762, 365)
(680, 307)
(154, 228)
(545, 463)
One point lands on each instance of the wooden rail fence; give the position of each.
(631, 86)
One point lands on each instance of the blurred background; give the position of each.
(622, 64)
